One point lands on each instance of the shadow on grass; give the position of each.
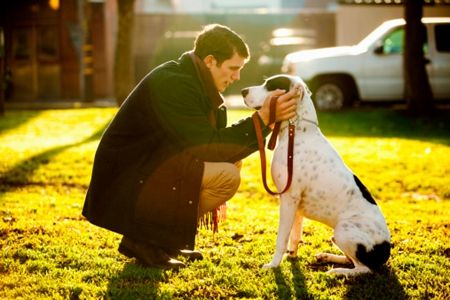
(298, 281)
(13, 119)
(386, 123)
(20, 174)
(135, 282)
(381, 285)
(283, 288)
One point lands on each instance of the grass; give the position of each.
(49, 251)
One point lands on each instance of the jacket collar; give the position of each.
(194, 65)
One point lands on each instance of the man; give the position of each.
(167, 157)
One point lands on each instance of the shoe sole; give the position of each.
(126, 251)
(130, 254)
(191, 256)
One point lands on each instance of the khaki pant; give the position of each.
(219, 183)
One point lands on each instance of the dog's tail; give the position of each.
(376, 257)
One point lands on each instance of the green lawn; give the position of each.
(48, 250)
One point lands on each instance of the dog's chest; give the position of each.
(321, 181)
(313, 156)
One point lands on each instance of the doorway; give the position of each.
(35, 63)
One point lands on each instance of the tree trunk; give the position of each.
(123, 68)
(2, 75)
(2, 88)
(418, 95)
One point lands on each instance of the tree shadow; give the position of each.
(136, 282)
(383, 284)
(20, 117)
(20, 174)
(386, 123)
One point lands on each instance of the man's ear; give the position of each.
(209, 60)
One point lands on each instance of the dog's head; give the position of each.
(254, 96)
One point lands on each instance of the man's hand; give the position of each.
(286, 104)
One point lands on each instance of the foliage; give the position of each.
(48, 250)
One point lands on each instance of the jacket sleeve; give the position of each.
(182, 110)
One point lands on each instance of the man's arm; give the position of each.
(182, 112)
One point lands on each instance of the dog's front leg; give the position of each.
(296, 234)
(288, 208)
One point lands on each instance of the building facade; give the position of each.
(64, 50)
(56, 50)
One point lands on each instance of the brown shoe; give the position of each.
(148, 255)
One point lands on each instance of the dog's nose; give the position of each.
(244, 92)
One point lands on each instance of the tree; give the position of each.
(418, 94)
(2, 81)
(123, 67)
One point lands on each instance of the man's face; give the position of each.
(228, 72)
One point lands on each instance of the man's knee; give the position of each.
(223, 178)
(220, 183)
(231, 177)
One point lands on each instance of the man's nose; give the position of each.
(236, 76)
(244, 92)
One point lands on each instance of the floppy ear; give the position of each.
(300, 90)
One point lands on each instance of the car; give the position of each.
(284, 40)
(372, 70)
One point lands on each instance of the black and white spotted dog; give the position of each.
(323, 189)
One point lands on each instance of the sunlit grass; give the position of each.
(47, 250)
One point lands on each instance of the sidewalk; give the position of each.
(63, 104)
(231, 101)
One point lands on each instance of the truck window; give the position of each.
(393, 43)
(442, 34)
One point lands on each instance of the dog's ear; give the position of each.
(278, 82)
(301, 93)
(300, 90)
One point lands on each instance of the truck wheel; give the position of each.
(332, 93)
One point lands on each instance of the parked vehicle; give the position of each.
(283, 41)
(372, 70)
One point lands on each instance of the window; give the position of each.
(393, 44)
(442, 34)
(47, 43)
(21, 44)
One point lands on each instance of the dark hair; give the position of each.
(221, 42)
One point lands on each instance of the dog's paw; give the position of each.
(270, 266)
(291, 254)
(322, 257)
(349, 272)
(337, 272)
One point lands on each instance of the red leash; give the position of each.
(271, 146)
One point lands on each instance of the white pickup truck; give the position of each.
(372, 70)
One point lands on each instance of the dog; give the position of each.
(323, 189)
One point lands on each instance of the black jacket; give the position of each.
(149, 164)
